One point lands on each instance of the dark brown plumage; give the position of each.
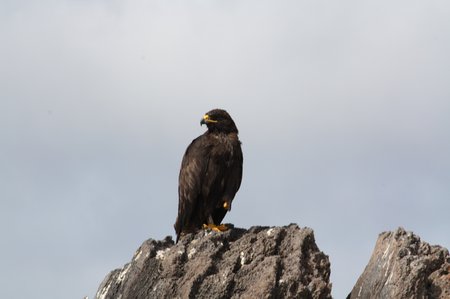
(210, 175)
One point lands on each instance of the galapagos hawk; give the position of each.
(210, 175)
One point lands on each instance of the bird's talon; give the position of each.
(222, 228)
(217, 228)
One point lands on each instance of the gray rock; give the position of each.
(261, 262)
(402, 266)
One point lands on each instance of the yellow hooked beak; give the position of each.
(206, 119)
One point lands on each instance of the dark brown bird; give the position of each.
(210, 175)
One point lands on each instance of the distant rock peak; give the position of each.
(402, 266)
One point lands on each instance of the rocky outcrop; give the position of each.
(275, 262)
(402, 266)
(261, 262)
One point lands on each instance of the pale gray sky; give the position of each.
(343, 110)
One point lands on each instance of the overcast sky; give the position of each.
(343, 109)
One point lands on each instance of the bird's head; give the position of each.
(219, 120)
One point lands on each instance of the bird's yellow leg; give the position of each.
(227, 205)
(217, 228)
